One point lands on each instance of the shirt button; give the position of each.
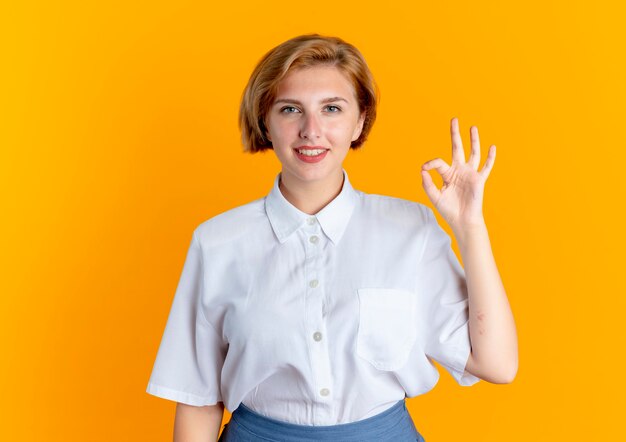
(324, 391)
(317, 336)
(313, 239)
(310, 221)
(313, 283)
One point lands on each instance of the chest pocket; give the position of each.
(387, 329)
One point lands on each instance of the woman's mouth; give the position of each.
(311, 154)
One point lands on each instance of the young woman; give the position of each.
(312, 313)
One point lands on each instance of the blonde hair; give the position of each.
(302, 52)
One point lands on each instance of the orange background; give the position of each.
(119, 136)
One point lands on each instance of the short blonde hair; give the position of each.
(301, 52)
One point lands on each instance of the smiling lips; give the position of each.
(311, 154)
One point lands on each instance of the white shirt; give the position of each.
(315, 319)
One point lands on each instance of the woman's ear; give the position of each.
(359, 127)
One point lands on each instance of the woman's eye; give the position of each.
(332, 108)
(288, 109)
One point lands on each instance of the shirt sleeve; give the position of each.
(191, 354)
(443, 304)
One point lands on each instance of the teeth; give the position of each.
(311, 152)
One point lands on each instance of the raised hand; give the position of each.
(460, 200)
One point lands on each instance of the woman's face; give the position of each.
(314, 118)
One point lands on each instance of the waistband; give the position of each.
(370, 428)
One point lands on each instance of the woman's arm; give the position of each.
(494, 356)
(198, 424)
(491, 324)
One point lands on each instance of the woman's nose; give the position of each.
(311, 127)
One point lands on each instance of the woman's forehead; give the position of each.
(319, 83)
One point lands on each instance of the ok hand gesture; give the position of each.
(460, 199)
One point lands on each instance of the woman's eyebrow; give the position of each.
(325, 100)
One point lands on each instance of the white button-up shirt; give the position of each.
(315, 319)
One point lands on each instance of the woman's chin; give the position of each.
(309, 172)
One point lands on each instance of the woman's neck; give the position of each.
(311, 197)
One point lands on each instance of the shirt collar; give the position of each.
(286, 218)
